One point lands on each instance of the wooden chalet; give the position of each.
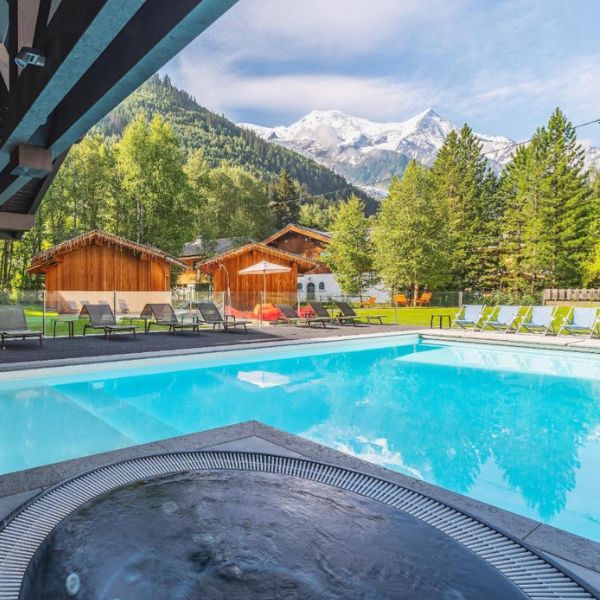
(297, 239)
(245, 289)
(98, 263)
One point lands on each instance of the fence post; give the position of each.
(460, 299)
(44, 311)
(115, 303)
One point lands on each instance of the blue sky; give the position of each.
(500, 65)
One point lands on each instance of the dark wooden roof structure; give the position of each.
(94, 54)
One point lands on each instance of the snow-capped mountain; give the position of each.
(364, 151)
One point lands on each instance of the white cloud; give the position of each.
(221, 87)
(284, 29)
(572, 84)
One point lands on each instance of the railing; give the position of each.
(571, 295)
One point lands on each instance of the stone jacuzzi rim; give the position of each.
(25, 529)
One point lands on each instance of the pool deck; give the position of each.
(94, 348)
(581, 556)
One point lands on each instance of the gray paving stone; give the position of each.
(591, 578)
(254, 443)
(12, 502)
(202, 439)
(566, 545)
(21, 481)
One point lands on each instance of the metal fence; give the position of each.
(58, 313)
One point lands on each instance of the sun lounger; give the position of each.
(583, 320)
(209, 314)
(101, 317)
(321, 312)
(538, 319)
(289, 316)
(469, 315)
(71, 307)
(13, 324)
(502, 318)
(123, 307)
(163, 315)
(424, 299)
(347, 313)
(400, 299)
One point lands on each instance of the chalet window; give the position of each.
(321, 286)
(299, 287)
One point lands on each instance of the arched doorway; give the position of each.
(310, 291)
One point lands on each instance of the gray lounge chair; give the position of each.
(321, 312)
(13, 324)
(123, 307)
(101, 317)
(502, 318)
(349, 314)
(209, 314)
(162, 314)
(469, 315)
(538, 319)
(580, 320)
(291, 317)
(71, 307)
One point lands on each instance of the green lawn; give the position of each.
(420, 316)
(407, 315)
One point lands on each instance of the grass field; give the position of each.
(407, 315)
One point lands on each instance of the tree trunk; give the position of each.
(415, 294)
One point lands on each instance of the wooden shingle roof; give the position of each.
(100, 237)
(210, 263)
(300, 229)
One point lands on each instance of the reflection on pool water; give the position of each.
(517, 428)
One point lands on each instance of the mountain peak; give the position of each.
(427, 113)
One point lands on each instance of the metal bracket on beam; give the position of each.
(31, 161)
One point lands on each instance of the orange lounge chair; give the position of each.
(424, 299)
(400, 299)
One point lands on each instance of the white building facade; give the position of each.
(322, 286)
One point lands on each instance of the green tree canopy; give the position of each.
(409, 237)
(154, 206)
(349, 255)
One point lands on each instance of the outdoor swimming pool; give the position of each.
(517, 428)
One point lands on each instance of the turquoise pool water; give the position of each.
(516, 428)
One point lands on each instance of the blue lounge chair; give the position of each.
(580, 320)
(502, 318)
(538, 319)
(469, 315)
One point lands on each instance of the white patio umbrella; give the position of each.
(264, 268)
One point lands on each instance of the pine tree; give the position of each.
(466, 187)
(409, 236)
(284, 200)
(350, 254)
(547, 195)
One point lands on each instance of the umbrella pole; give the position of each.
(262, 305)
